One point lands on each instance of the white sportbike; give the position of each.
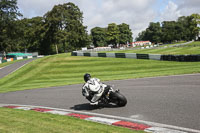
(109, 95)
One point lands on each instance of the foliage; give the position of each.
(60, 28)
(185, 28)
(168, 31)
(98, 36)
(125, 34)
(64, 28)
(113, 34)
(30, 34)
(152, 33)
(8, 32)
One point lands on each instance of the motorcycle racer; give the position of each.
(92, 89)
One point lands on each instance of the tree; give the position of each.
(185, 28)
(113, 34)
(169, 31)
(125, 34)
(98, 36)
(153, 33)
(30, 33)
(65, 30)
(8, 14)
(195, 25)
(141, 36)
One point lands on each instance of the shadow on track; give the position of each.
(87, 106)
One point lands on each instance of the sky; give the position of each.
(99, 13)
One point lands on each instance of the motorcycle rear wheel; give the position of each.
(118, 98)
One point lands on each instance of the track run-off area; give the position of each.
(169, 100)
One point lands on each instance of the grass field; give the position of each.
(63, 69)
(194, 44)
(20, 121)
(192, 48)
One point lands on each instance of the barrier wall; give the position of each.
(181, 58)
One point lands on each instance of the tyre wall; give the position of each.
(180, 58)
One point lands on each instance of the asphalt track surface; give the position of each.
(173, 100)
(13, 67)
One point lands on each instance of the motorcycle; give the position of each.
(112, 96)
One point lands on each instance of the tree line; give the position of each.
(59, 30)
(184, 29)
(113, 34)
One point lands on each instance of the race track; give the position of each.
(13, 67)
(173, 100)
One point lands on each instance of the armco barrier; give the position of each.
(180, 58)
(185, 58)
(101, 54)
(142, 56)
(86, 54)
(120, 55)
(94, 54)
(131, 55)
(74, 53)
(110, 55)
(155, 56)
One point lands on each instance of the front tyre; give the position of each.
(118, 98)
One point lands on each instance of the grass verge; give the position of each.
(192, 48)
(60, 70)
(20, 121)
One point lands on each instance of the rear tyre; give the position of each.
(118, 98)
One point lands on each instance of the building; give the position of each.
(140, 43)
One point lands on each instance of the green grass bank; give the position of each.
(63, 69)
(20, 121)
(190, 49)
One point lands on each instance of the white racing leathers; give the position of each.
(93, 89)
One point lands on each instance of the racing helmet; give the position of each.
(87, 77)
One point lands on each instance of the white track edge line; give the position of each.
(18, 68)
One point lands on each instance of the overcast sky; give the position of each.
(136, 13)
